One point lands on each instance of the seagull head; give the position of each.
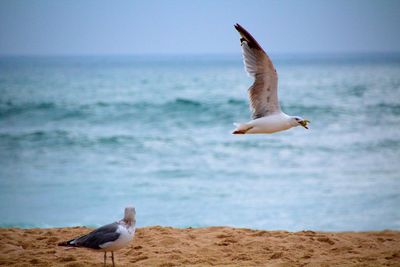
(296, 121)
(130, 215)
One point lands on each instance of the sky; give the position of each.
(102, 27)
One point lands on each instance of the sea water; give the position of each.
(83, 137)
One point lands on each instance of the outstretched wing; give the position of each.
(263, 94)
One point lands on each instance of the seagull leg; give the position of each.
(105, 258)
(112, 257)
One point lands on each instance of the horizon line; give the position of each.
(279, 54)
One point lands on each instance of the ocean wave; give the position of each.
(9, 108)
(314, 110)
(186, 102)
(179, 109)
(377, 145)
(63, 137)
(387, 108)
(59, 111)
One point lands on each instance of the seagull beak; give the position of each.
(304, 123)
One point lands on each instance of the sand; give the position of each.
(213, 246)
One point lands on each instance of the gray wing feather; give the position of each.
(263, 94)
(104, 234)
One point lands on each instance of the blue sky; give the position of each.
(72, 27)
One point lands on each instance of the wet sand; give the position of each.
(212, 246)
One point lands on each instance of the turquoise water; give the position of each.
(82, 137)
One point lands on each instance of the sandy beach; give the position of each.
(212, 246)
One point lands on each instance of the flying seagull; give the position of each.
(267, 116)
(108, 238)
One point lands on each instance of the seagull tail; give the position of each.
(241, 128)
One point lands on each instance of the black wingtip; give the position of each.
(246, 36)
(237, 27)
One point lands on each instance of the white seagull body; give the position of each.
(126, 233)
(263, 94)
(108, 238)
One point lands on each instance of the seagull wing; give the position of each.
(263, 94)
(96, 238)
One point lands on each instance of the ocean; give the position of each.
(81, 137)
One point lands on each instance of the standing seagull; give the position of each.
(267, 116)
(109, 237)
